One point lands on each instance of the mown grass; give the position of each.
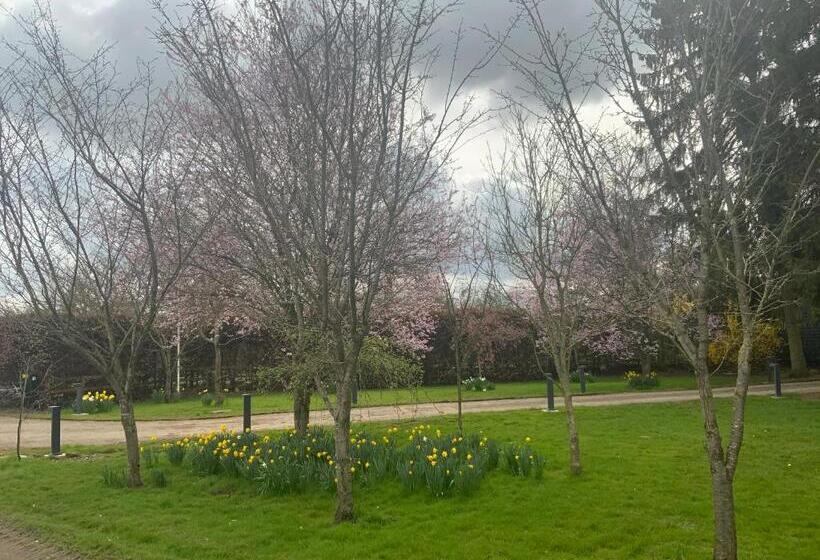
(192, 407)
(644, 494)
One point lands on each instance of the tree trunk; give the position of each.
(572, 427)
(23, 388)
(646, 364)
(218, 396)
(165, 354)
(723, 504)
(459, 397)
(132, 442)
(341, 438)
(797, 357)
(724, 546)
(301, 409)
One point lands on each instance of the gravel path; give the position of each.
(36, 432)
(17, 545)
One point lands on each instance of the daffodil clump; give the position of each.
(445, 463)
(97, 401)
(421, 458)
(479, 384)
(522, 460)
(641, 381)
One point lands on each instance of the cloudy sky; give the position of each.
(126, 24)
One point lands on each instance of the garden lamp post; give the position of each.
(246, 412)
(582, 379)
(776, 374)
(55, 430)
(550, 394)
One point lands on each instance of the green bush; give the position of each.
(206, 398)
(575, 377)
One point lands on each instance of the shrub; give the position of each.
(477, 384)
(97, 401)
(575, 377)
(207, 399)
(641, 381)
(766, 341)
(158, 396)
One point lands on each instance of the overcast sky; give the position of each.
(126, 24)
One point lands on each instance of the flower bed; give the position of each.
(98, 401)
(641, 381)
(420, 459)
(477, 384)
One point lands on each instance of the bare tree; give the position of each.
(340, 157)
(539, 244)
(679, 205)
(461, 277)
(93, 232)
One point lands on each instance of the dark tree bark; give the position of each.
(217, 378)
(301, 409)
(132, 443)
(341, 439)
(794, 338)
(562, 365)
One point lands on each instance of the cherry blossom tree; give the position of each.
(541, 249)
(93, 230)
(341, 161)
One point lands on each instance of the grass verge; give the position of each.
(644, 494)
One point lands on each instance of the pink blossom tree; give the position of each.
(542, 250)
(94, 230)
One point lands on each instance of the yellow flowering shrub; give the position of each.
(766, 342)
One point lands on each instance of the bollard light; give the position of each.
(55, 430)
(246, 412)
(582, 378)
(776, 375)
(550, 394)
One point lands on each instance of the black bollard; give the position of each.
(776, 373)
(582, 378)
(246, 412)
(550, 394)
(55, 430)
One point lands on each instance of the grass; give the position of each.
(644, 494)
(192, 407)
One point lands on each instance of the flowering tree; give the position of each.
(680, 205)
(340, 162)
(621, 342)
(93, 234)
(542, 249)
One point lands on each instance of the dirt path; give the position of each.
(17, 545)
(36, 433)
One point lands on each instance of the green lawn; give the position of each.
(191, 407)
(644, 494)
